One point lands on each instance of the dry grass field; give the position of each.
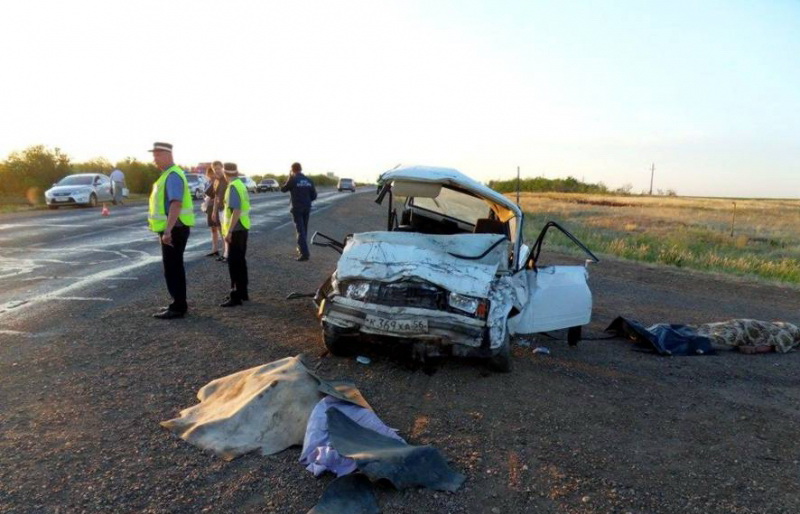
(678, 231)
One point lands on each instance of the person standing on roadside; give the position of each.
(208, 207)
(118, 183)
(171, 215)
(303, 194)
(235, 228)
(219, 203)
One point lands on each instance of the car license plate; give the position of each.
(397, 326)
(60, 199)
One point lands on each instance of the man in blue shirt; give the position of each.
(175, 233)
(303, 193)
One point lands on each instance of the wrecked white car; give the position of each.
(451, 274)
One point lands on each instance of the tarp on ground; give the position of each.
(263, 408)
(380, 457)
(781, 335)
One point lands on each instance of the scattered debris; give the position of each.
(361, 359)
(542, 349)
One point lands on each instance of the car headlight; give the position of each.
(464, 303)
(357, 290)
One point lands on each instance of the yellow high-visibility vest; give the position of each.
(157, 217)
(244, 199)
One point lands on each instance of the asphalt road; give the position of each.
(77, 257)
(86, 375)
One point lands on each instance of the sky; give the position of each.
(708, 91)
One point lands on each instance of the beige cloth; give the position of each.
(750, 332)
(266, 408)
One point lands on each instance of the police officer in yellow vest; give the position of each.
(171, 215)
(235, 227)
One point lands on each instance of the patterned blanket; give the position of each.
(750, 332)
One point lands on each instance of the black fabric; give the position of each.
(301, 228)
(174, 272)
(302, 191)
(350, 494)
(663, 338)
(237, 264)
(380, 457)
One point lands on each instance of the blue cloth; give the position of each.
(663, 338)
(174, 190)
(234, 202)
(302, 191)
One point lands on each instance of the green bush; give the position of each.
(33, 169)
(541, 184)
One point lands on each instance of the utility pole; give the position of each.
(652, 172)
(517, 185)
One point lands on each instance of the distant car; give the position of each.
(268, 184)
(346, 184)
(80, 189)
(250, 184)
(197, 185)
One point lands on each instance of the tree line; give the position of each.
(28, 173)
(564, 185)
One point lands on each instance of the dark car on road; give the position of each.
(268, 184)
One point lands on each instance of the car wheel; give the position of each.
(501, 361)
(337, 344)
(93, 200)
(198, 194)
(574, 335)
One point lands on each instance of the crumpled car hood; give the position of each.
(393, 256)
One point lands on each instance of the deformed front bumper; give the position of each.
(447, 333)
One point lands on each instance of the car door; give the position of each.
(557, 297)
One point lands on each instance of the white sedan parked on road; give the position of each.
(80, 189)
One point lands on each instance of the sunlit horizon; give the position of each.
(708, 91)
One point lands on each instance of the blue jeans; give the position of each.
(301, 227)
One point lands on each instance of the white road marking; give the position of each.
(78, 298)
(62, 293)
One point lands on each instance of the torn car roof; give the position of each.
(504, 208)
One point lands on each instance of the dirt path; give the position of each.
(598, 428)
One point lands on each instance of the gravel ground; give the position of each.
(598, 428)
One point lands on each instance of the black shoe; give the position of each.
(230, 302)
(245, 297)
(302, 258)
(222, 259)
(212, 254)
(168, 314)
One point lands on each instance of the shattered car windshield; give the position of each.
(456, 205)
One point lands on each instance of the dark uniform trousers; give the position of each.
(237, 264)
(174, 272)
(301, 227)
